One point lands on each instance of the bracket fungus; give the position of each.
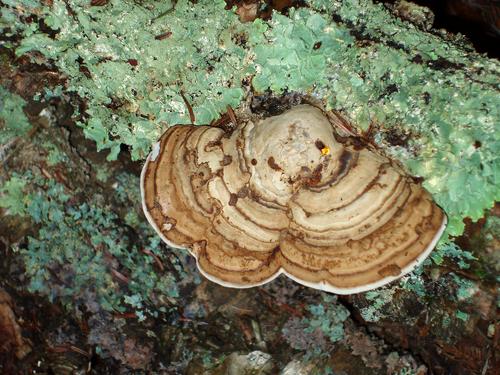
(289, 195)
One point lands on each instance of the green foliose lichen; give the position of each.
(414, 282)
(54, 154)
(465, 288)
(14, 18)
(462, 315)
(13, 121)
(131, 60)
(83, 255)
(329, 317)
(451, 251)
(316, 332)
(378, 299)
(12, 195)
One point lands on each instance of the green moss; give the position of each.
(131, 60)
(13, 121)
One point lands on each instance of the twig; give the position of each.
(232, 116)
(120, 276)
(155, 257)
(190, 109)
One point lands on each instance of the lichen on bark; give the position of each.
(429, 96)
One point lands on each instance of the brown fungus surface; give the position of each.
(288, 195)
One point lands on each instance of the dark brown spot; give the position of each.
(319, 145)
(357, 143)
(344, 160)
(233, 198)
(133, 62)
(389, 90)
(427, 97)
(243, 192)
(317, 45)
(315, 177)
(86, 72)
(397, 138)
(163, 36)
(273, 164)
(254, 195)
(212, 144)
(226, 160)
(417, 179)
(156, 204)
(477, 144)
(98, 3)
(417, 59)
(253, 161)
(390, 270)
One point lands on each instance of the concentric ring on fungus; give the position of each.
(288, 195)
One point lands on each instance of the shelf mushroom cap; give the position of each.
(288, 195)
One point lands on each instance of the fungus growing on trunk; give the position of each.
(288, 195)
